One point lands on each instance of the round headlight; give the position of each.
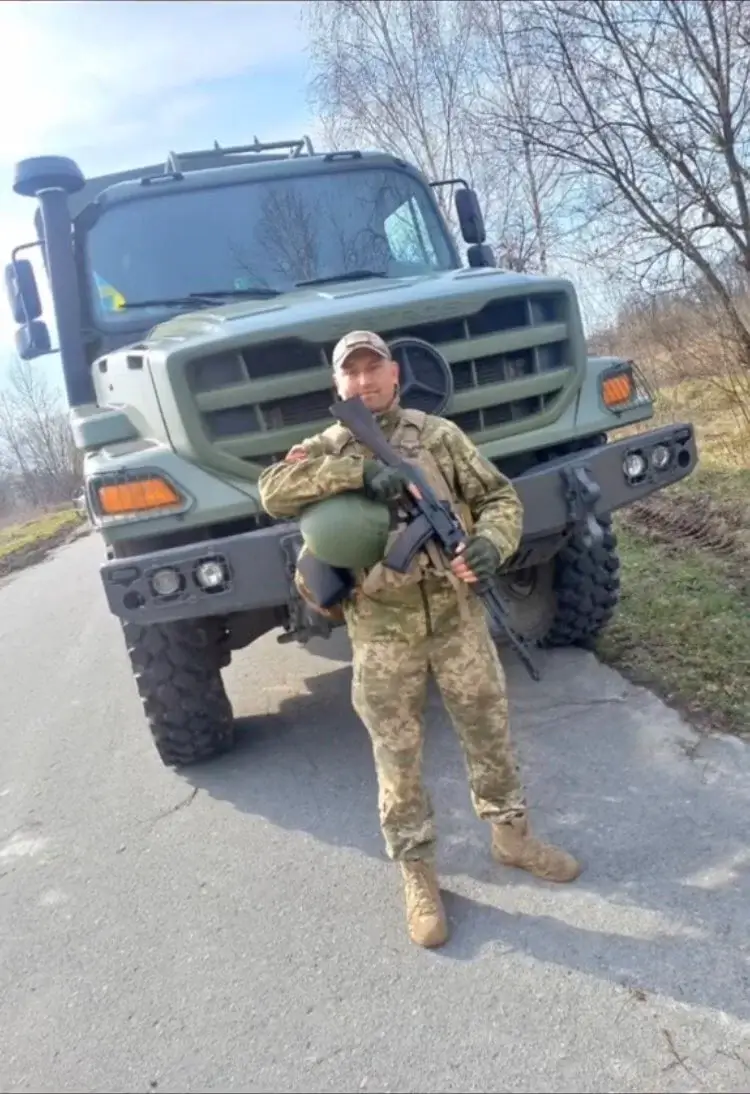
(210, 575)
(166, 582)
(634, 465)
(661, 456)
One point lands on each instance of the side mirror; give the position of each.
(33, 340)
(20, 287)
(470, 216)
(481, 254)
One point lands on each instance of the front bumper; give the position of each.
(256, 564)
(547, 509)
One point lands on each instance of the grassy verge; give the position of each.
(23, 544)
(683, 627)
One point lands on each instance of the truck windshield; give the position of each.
(267, 234)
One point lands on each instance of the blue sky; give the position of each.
(117, 84)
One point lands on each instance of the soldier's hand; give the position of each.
(296, 454)
(476, 560)
(381, 483)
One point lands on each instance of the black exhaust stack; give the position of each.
(51, 179)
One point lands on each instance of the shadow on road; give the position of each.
(663, 905)
(307, 767)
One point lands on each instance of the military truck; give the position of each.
(196, 304)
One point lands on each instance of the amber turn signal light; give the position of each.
(618, 389)
(138, 496)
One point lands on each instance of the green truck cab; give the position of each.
(196, 305)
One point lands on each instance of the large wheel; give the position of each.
(587, 583)
(571, 599)
(177, 669)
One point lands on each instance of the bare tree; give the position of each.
(648, 103)
(388, 72)
(399, 75)
(503, 86)
(287, 234)
(37, 453)
(320, 229)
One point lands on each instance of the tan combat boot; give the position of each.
(425, 915)
(514, 845)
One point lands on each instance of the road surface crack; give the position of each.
(734, 1055)
(574, 704)
(176, 808)
(678, 1061)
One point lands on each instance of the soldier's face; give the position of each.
(371, 377)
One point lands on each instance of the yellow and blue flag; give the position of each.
(108, 294)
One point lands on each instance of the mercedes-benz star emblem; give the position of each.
(425, 376)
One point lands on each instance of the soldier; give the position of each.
(402, 627)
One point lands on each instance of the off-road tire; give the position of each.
(569, 600)
(177, 670)
(587, 588)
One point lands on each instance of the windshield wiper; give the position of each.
(347, 275)
(208, 297)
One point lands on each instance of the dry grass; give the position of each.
(25, 543)
(683, 627)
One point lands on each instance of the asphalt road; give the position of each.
(241, 930)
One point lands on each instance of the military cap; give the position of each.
(359, 339)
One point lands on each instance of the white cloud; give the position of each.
(67, 69)
(112, 83)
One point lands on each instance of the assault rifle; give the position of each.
(430, 518)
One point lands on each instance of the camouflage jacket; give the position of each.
(313, 471)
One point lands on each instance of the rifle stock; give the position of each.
(360, 421)
(430, 518)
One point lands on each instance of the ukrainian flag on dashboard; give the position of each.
(108, 294)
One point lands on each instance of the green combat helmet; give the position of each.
(348, 530)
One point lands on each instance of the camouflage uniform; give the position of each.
(401, 628)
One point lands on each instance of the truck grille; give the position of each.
(242, 414)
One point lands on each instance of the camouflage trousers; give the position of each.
(397, 642)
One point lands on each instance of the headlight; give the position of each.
(634, 466)
(166, 582)
(661, 456)
(211, 574)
